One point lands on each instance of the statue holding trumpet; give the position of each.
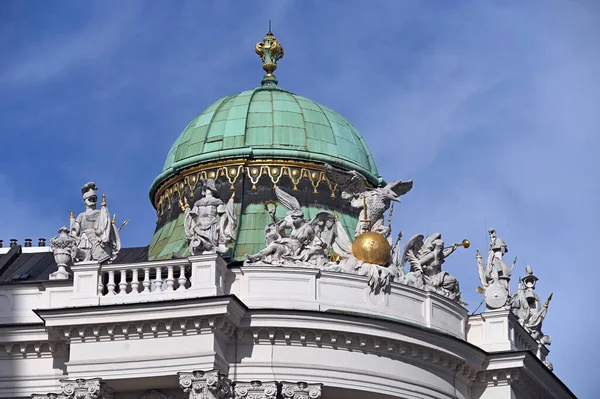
(426, 258)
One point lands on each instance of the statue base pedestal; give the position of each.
(500, 331)
(60, 274)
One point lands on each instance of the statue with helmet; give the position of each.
(210, 224)
(495, 274)
(528, 308)
(95, 234)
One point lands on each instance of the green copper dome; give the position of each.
(269, 122)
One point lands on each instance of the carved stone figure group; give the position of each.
(294, 240)
(495, 280)
(323, 242)
(210, 224)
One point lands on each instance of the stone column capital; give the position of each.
(300, 390)
(81, 388)
(205, 385)
(255, 390)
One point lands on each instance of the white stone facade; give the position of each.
(256, 332)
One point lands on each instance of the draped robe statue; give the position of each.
(96, 236)
(210, 224)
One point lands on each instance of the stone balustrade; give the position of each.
(131, 279)
(192, 277)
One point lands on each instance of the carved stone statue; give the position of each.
(307, 243)
(371, 202)
(495, 274)
(96, 236)
(528, 308)
(210, 224)
(426, 259)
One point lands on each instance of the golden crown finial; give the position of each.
(269, 51)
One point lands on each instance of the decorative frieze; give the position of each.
(205, 385)
(255, 390)
(85, 389)
(300, 390)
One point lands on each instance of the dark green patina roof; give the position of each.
(269, 122)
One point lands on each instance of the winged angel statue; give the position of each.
(308, 242)
(426, 258)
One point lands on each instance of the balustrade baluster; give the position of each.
(170, 278)
(135, 284)
(158, 282)
(123, 283)
(111, 283)
(146, 282)
(182, 280)
(100, 284)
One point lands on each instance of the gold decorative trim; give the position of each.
(274, 169)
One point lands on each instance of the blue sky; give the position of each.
(491, 107)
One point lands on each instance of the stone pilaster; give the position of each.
(300, 390)
(81, 388)
(255, 390)
(205, 385)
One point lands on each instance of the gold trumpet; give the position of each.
(465, 244)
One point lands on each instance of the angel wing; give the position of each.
(413, 246)
(289, 202)
(400, 187)
(348, 181)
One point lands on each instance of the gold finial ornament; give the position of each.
(71, 215)
(103, 200)
(269, 51)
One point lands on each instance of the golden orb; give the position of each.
(372, 248)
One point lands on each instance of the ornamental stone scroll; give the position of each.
(255, 390)
(85, 389)
(300, 390)
(205, 385)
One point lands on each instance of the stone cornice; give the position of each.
(27, 341)
(367, 344)
(527, 370)
(358, 325)
(144, 312)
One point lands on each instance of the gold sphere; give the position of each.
(466, 243)
(372, 248)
